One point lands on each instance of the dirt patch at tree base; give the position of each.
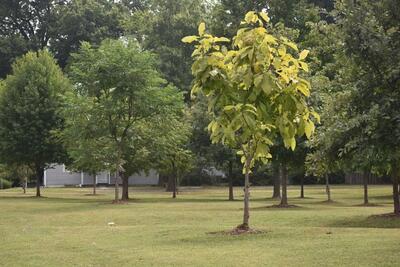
(390, 215)
(368, 205)
(328, 202)
(239, 231)
(119, 202)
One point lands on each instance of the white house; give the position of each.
(58, 175)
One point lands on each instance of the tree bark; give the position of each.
(328, 189)
(302, 187)
(24, 184)
(170, 184)
(283, 177)
(230, 173)
(174, 187)
(277, 183)
(94, 184)
(116, 199)
(246, 209)
(396, 200)
(39, 178)
(125, 187)
(365, 180)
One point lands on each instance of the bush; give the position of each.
(4, 184)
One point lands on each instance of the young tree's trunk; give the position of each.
(396, 200)
(230, 174)
(116, 199)
(94, 183)
(284, 178)
(277, 183)
(174, 187)
(24, 184)
(246, 209)
(302, 186)
(125, 187)
(365, 180)
(328, 189)
(39, 178)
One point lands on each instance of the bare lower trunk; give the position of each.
(24, 184)
(116, 185)
(277, 183)
(396, 200)
(174, 188)
(39, 178)
(170, 184)
(328, 189)
(94, 184)
(365, 180)
(246, 209)
(302, 187)
(125, 187)
(283, 176)
(231, 198)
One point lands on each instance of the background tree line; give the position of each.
(353, 70)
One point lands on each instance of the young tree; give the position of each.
(85, 152)
(30, 107)
(17, 173)
(254, 92)
(125, 89)
(174, 158)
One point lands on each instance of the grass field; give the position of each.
(69, 227)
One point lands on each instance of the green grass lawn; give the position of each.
(68, 227)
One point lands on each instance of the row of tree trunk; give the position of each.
(280, 185)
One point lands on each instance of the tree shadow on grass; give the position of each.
(278, 208)
(367, 222)
(181, 200)
(382, 197)
(84, 199)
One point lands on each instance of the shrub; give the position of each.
(4, 184)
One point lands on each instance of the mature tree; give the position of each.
(85, 20)
(125, 89)
(24, 25)
(372, 42)
(254, 92)
(161, 28)
(59, 25)
(30, 106)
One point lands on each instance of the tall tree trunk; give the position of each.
(328, 188)
(396, 200)
(277, 183)
(230, 174)
(365, 180)
(125, 187)
(39, 178)
(174, 187)
(116, 184)
(302, 186)
(94, 183)
(284, 178)
(24, 184)
(246, 209)
(170, 184)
